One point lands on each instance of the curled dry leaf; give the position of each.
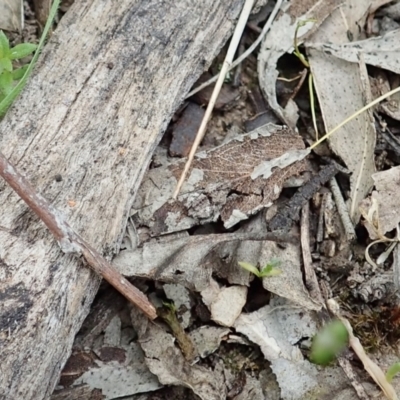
(231, 181)
(280, 40)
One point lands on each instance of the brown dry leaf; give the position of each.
(342, 88)
(280, 40)
(232, 181)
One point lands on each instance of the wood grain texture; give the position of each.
(101, 96)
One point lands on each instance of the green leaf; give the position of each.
(5, 65)
(329, 342)
(392, 371)
(22, 50)
(4, 45)
(18, 73)
(6, 82)
(269, 270)
(249, 267)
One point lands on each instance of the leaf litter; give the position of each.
(186, 252)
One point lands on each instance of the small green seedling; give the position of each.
(267, 271)
(329, 343)
(392, 371)
(8, 75)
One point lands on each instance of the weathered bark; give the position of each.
(83, 132)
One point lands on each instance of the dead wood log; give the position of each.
(83, 132)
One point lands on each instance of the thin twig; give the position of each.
(342, 210)
(266, 28)
(354, 380)
(309, 273)
(320, 230)
(225, 68)
(69, 241)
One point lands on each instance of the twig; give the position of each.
(342, 210)
(302, 76)
(225, 68)
(69, 241)
(266, 28)
(309, 273)
(354, 380)
(236, 81)
(320, 230)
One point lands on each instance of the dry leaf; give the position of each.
(11, 15)
(207, 339)
(381, 51)
(166, 361)
(386, 197)
(342, 89)
(231, 181)
(118, 379)
(228, 305)
(280, 40)
(191, 261)
(277, 329)
(289, 284)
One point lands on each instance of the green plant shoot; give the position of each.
(8, 75)
(268, 271)
(392, 371)
(329, 342)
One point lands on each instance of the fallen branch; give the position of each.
(69, 241)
